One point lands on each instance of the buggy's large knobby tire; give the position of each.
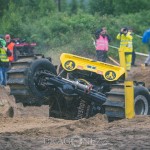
(22, 79)
(141, 100)
(37, 66)
(115, 104)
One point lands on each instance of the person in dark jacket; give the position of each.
(133, 52)
(4, 61)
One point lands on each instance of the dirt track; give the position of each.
(42, 133)
(94, 133)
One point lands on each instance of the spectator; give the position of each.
(11, 46)
(125, 38)
(4, 62)
(102, 40)
(146, 40)
(133, 52)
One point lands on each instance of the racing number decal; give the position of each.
(69, 65)
(110, 75)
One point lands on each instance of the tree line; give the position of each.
(72, 23)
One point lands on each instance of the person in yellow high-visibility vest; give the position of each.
(125, 38)
(4, 61)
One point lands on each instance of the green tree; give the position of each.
(11, 21)
(101, 6)
(82, 4)
(130, 6)
(45, 7)
(117, 7)
(74, 6)
(3, 6)
(64, 5)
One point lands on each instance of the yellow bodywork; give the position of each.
(122, 60)
(129, 89)
(129, 99)
(72, 62)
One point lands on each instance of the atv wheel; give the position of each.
(24, 78)
(115, 105)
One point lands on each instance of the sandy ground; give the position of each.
(95, 133)
(32, 129)
(141, 74)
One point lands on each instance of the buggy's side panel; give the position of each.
(109, 72)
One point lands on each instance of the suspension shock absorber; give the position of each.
(77, 84)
